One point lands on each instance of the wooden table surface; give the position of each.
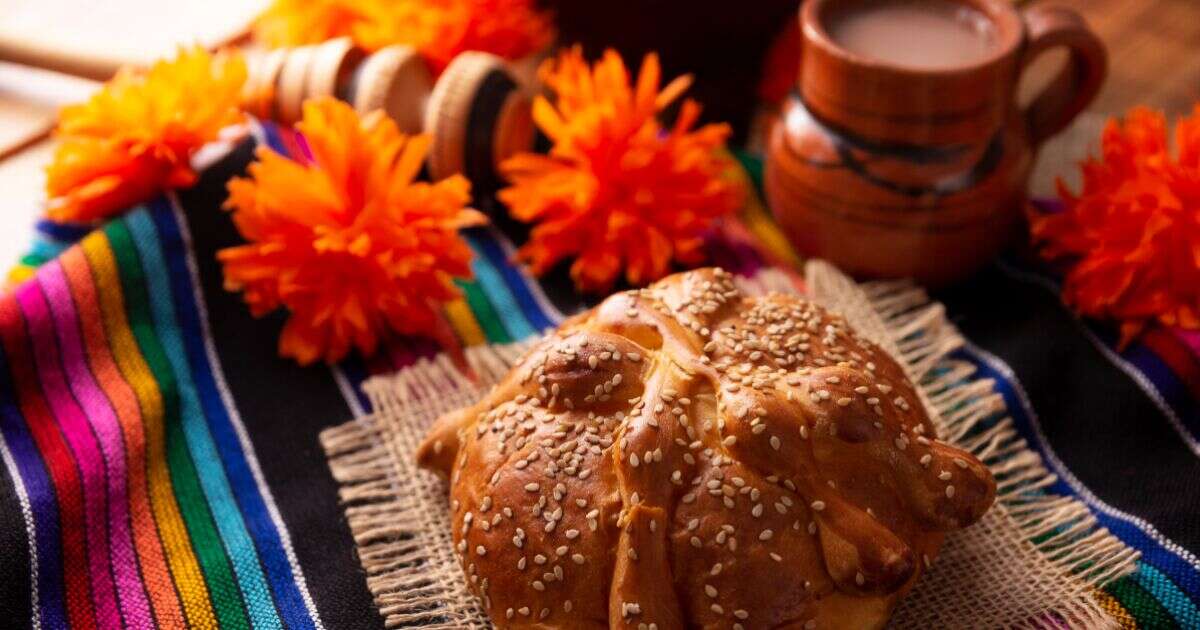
(1154, 59)
(1153, 51)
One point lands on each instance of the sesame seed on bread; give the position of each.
(687, 456)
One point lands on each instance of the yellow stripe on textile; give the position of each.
(758, 220)
(20, 274)
(754, 215)
(184, 567)
(463, 321)
(1114, 608)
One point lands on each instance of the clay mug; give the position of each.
(893, 169)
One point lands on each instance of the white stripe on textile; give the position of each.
(1064, 473)
(235, 417)
(30, 531)
(1141, 380)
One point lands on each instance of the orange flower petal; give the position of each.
(300, 22)
(442, 29)
(1132, 233)
(136, 136)
(617, 193)
(348, 243)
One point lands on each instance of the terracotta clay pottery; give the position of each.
(890, 169)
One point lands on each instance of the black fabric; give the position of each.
(557, 283)
(14, 556)
(1103, 427)
(1097, 421)
(284, 407)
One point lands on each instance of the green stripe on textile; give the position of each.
(484, 313)
(1168, 594)
(493, 286)
(1144, 608)
(231, 524)
(46, 250)
(226, 598)
(753, 165)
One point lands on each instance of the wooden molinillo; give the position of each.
(477, 112)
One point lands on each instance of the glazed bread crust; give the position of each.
(686, 456)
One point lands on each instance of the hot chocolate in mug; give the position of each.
(903, 150)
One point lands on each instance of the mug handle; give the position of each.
(1080, 79)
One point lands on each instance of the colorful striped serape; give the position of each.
(161, 465)
(142, 497)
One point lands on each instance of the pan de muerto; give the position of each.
(684, 456)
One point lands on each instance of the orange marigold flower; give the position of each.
(441, 29)
(300, 22)
(618, 191)
(348, 243)
(136, 136)
(1132, 235)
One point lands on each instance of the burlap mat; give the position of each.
(1033, 561)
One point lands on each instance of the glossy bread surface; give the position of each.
(687, 456)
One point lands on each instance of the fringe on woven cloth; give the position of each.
(1035, 560)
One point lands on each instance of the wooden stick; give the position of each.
(25, 53)
(97, 67)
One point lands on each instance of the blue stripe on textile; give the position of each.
(356, 373)
(497, 293)
(483, 242)
(533, 284)
(63, 232)
(1168, 594)
(274, 140)
(39, 488)
(47, 250)
(1155, 552)
(1173, 391)
(232, 528)
(249, 496)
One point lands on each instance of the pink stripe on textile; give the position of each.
(88, 459)
(105, 426)
(1189, 338)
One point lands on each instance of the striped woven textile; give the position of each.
(1121, 430)
(161, 465)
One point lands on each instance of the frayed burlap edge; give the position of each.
(1034, 561)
